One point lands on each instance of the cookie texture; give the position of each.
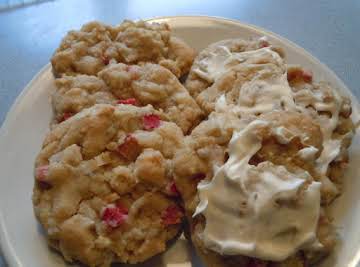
(155, 85)
(90, 49)
(75, 93)
(207, 146)
(200, 76)
(127, 84)
(332, 112)
(132, 152)
(103, 185)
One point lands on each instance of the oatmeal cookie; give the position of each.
(155, 85)
(75, 93)
(95, 45)
(332, 112)
(218, 57)
(127, 84)
(254, 89)
(104, 190)
(290, 139)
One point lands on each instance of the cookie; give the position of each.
(104, 188)
(127, 84)
(218, 57)
(332, 112)
(287, 142)
(90, 49)
(155, 85)
(254, 89)
(75, 93)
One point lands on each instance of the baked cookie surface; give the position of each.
(219, 57)
(127, 84)
(90, 49)
(207, 150)
(75, 93)
(130, 140)
(103, 185)
(332, 112)
(155, 85)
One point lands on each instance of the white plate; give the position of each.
(22, 133)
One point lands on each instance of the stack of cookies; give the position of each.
(134, 156)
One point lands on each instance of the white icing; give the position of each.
(264, 95)
(308, 153)
(283, 135)
(260, 96)
(222, 59)
(259, 211)
(239, 204)
(316, 99)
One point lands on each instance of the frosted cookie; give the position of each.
(104, 190)
(90, 49)
(246, 181)
(332, 112)
(219, 57)
(253, 89)
(155, 85)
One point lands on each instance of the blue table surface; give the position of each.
(29, 35)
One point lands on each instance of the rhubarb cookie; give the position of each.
(95, 45)
(155, 85)
(104, 189)
(218, 58)
(75, 93)
(332, 112)
(127, 84)
(251, 191)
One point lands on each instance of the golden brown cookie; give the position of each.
(75, 93)
(284, 138)
(214, 61)
(332, 111)
(127, 84)
(104, 187)
(95, 45)
(155, 85)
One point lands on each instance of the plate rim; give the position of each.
(7, 250)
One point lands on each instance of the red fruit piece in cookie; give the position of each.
(172, 190)
(307, 76)
(114, 216)
(130, 149)
(172, 215)
(122, 208)
(302, 74)
(66, 116)
(41, 174)
(129, 101)
(105, 60)
(264, 43)
(151, 121)
(133, 70)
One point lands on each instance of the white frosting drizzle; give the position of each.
(222, 59)
(239, 204)
(259, 211)
(328, 123)
(308, 153)
(260, 96)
